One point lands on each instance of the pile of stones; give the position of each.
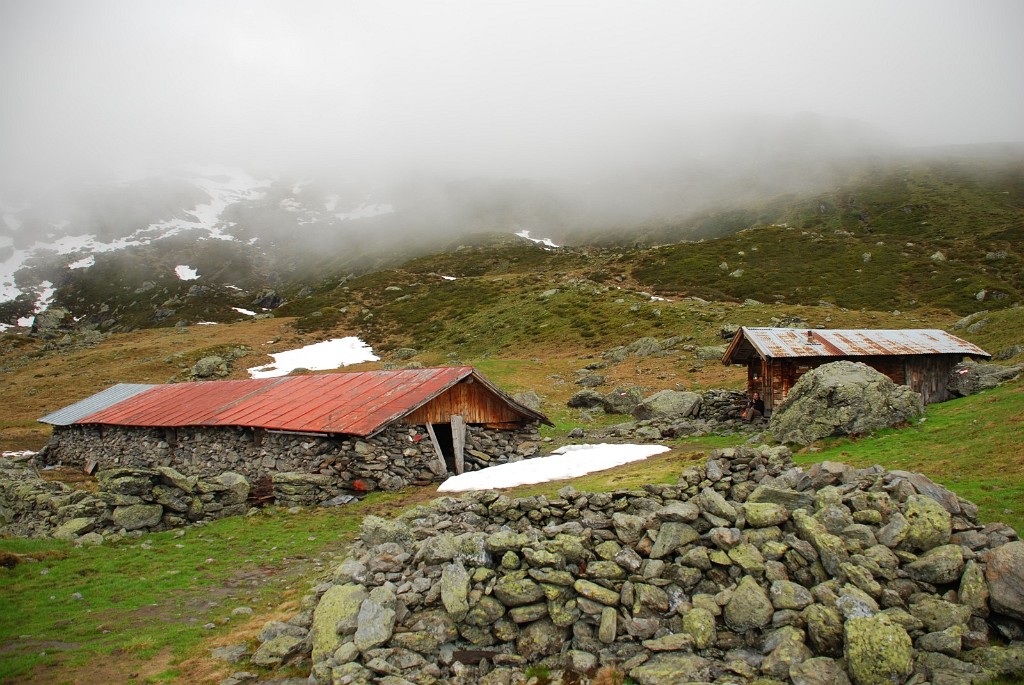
(292, 489)
(749, 569)
(712, 412)
(127, 500)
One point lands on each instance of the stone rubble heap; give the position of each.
(749, 569)
(711, 412)
(127, 499)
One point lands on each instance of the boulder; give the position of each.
(376, 619)
(455, 590)
(210, 367)
(929, 524)
(540, 638)
(276, 651)
(622, 401)
(749, 607)
(236, 488)
(69, 530)
(137, 516)
(969, 378)
(818, 671)
(878, 651)
(1005, 575)
(671, 404)
(335, 615)
(586, 399)
(672, 667)
(842, 398)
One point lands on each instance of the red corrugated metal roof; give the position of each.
(351, 403)
(805, 342)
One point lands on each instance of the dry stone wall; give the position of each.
(398, 456)
(126, 500)
(749, 569)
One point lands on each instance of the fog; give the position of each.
(523, 88)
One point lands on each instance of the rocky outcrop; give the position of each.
(748, 569)
(970, 378)
(670, 415)
(672, 404)
(126, 500)
(842, 398)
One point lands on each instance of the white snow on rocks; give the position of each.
(546, 242)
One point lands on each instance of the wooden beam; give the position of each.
(459, 442)
(437, 449)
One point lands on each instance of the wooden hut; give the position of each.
(919, 358)
(372, 420)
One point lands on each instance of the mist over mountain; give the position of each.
(260, 144)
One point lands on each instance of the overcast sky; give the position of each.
(480, 85)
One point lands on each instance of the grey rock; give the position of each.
(336, 614)
(138, 516)
(1005, 576)
(877, 651)
(455, 590)
(672, 667)
(749, 607)
(818, 671)
(842, 398)
(938, 566)
(969, 378)
(672, 404)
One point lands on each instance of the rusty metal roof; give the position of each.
(359, 404)
(94, 403)
(807, 342)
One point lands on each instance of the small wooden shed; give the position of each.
(919, 358)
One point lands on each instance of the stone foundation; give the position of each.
(397, 457)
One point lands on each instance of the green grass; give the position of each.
(149, 594)
(152, 595)
(972, 445)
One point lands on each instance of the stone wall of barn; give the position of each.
(398, 456)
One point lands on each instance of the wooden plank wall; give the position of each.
(926, 374)
(470, 400)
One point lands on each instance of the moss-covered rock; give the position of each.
(749, 607)
(929, 524)
(335, 615)
(878, 651)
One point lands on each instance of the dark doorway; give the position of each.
(443, 433)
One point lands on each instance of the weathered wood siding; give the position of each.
(472, 401)
(926, 374)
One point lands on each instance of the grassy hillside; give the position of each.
(942, 234)
(159, 603)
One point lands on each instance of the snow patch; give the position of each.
(322, 356)
(244, 311)
(83, 263)
(225, 186)
(366, 212)
(541, 241)
(43, 301)
(570, 461)
(186, 273)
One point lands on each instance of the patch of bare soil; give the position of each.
(118, 668)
